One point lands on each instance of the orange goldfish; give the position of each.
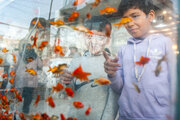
(62, 117)
(78, 104)
(122, 22)
(58, 87)
(14, 58)
(88, 15)
(69, 92)
(11, 81)
(34, 39)
(82, 76)
(4, 50)
(45, 116)
(73, 16)
(12, 73)
(136, 87)
(42, 45)
(57, 23)
(31, 71)
(18, 96)
(5, 76)
(82, 29)
(21, 116)
(78, 2)
(53, 70)
(108, 10)
(37, 116)
(1, 61)
(37, 100)
(96, 3)
(30, 59)
(87, 112)
(58, 69)
(70, 118)
(12, 90)
(102, 81)
(143, 61)
(59, 49)
(50, 101)
(38, 24)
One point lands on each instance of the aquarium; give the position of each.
(89, 59)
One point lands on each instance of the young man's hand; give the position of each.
(66, 77)
(110, 65)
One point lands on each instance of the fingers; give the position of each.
(105, 55)
(66, 77)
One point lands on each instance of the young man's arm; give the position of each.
(114, 70)
(117, 80)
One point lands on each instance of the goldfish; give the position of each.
(4, 50)
(45, 116)
(1, 61)
(30, 59)
(57, 23)
(21, 116)
(70, 118)
(38, 24)
(82, 76)
(42, 45)
(88, 15)
(102, 81)
(14, 58)
(37, 116)
(12, 73)
(136, 87)
(108, 10)
(59, 49)
(73, 16)
(5, 76)
(122, 22)
(37, 100)
(54, 117)
(158, 66)
(52, 69)
(78, 2)
(87, 112)
(143, 61)
(58, 87)
(18, 96)
(62, 117)
(78, 104)
(31, 71)
(11, 81)
(96, 3)
(82, 28)
(50, 101)
(34, 39)
(69, 92)
(12, 90)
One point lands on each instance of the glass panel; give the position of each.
(88, 59)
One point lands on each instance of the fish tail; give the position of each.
(102, 11)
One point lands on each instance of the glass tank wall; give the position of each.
(88, 59)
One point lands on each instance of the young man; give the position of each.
(143, 95)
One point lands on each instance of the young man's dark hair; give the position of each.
(144, 5)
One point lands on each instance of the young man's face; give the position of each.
(141, 24)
